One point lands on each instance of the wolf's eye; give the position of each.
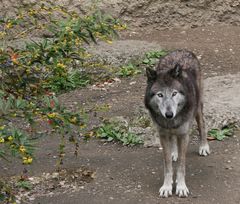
(160, 95)
(174, 93)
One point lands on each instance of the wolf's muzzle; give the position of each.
(169, 114)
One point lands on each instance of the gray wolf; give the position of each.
(174, 99)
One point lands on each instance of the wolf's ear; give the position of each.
(151, 74)
(176, 71)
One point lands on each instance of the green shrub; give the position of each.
(56, 63)
(31, 76)
(118, 132)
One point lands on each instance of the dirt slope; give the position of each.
(157, 14)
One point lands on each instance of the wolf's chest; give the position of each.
(181, 130)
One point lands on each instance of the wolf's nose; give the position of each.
(169, 114)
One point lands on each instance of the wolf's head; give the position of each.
(165, 93)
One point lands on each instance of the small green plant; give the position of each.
(114, 131)
(73, 79)
(152, 57)
(128, 70)
(221, 134)
(134, 68)
(24, 184)
(18, 142)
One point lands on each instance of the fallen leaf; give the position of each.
(211, 138)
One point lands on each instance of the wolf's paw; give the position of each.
(165, 191)
(182, 190)
(204, 150)
(174, 156)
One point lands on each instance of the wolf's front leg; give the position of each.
(166, 189)
(181, 188)
(174, 148)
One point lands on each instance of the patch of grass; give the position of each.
(117, 132)
(129, 70)
(152, 57)
(133, 68)
(220, 134)
(73, 80)
(24, 184)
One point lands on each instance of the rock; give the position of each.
(221, 103)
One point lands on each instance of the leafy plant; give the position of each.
(24, 184)
(114, 131)
(18, 143)
(220, 134)
(55, 64)
(134, 68)
(73, 79)
(44, 110)
(31, 76)
(152, 57)
(128, 70)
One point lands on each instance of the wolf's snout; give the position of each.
(169, 114)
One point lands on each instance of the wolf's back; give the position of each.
(186, 59)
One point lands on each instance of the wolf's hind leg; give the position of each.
(204, 149)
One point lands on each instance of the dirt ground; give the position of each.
(134, 174)
(129, 175)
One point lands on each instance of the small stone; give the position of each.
(51, 194)
(31, 198)
(55, 175)
(199, 57)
